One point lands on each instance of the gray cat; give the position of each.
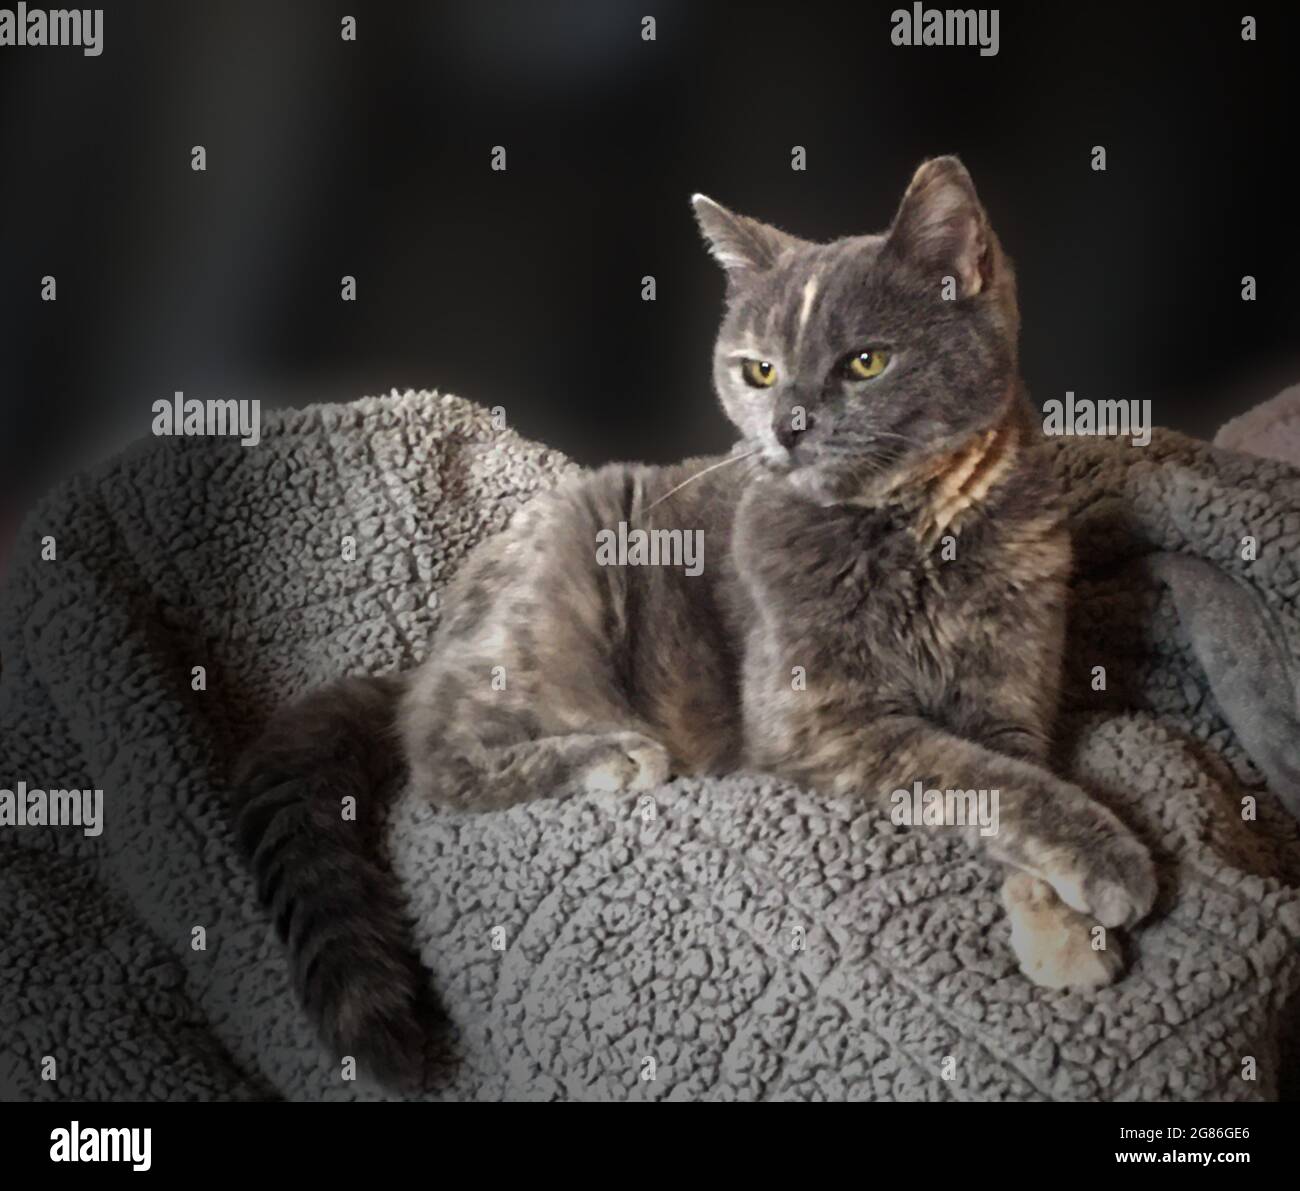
(882, 603)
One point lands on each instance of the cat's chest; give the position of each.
(849, 561)
(859, 593)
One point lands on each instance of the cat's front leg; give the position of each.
(1046, 827)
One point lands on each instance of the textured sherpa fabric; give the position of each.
(1271, 429)
(731, 939)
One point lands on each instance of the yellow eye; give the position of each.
(865, 365)
(759, 373)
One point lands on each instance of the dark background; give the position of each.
(522, 288)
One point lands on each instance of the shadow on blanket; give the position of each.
(196, 586)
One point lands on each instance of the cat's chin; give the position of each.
(822, 486)
(830, 487)
(825, 482)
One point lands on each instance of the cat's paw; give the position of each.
(1113, 881)
(1054, 943)
(1123, 895)
(1096, 865)
(625, 761)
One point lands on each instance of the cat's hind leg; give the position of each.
(543, 677)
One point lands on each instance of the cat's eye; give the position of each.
(865, 365)
(760, 374)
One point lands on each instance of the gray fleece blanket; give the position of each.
(736, 939)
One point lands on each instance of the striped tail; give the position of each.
(317, 863)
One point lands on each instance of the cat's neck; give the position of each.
(940, 493)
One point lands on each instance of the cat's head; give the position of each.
(850, 363)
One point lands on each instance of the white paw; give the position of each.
(626, 761)
(1055, 944)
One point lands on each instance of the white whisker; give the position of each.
(704, 471)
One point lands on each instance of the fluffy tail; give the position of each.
(315, 857)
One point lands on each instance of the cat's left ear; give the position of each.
(942, 227)
(739, 244)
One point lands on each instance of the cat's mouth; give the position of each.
(829, 476)
(807, 471)
(782, 460)
(776, 460)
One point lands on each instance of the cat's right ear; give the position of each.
(739, 244)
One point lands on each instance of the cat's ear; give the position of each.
(739, 244)
(942, 228)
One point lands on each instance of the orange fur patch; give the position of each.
(956, 482)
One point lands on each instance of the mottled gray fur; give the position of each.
(883, 601)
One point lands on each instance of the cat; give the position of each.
(886, 528)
